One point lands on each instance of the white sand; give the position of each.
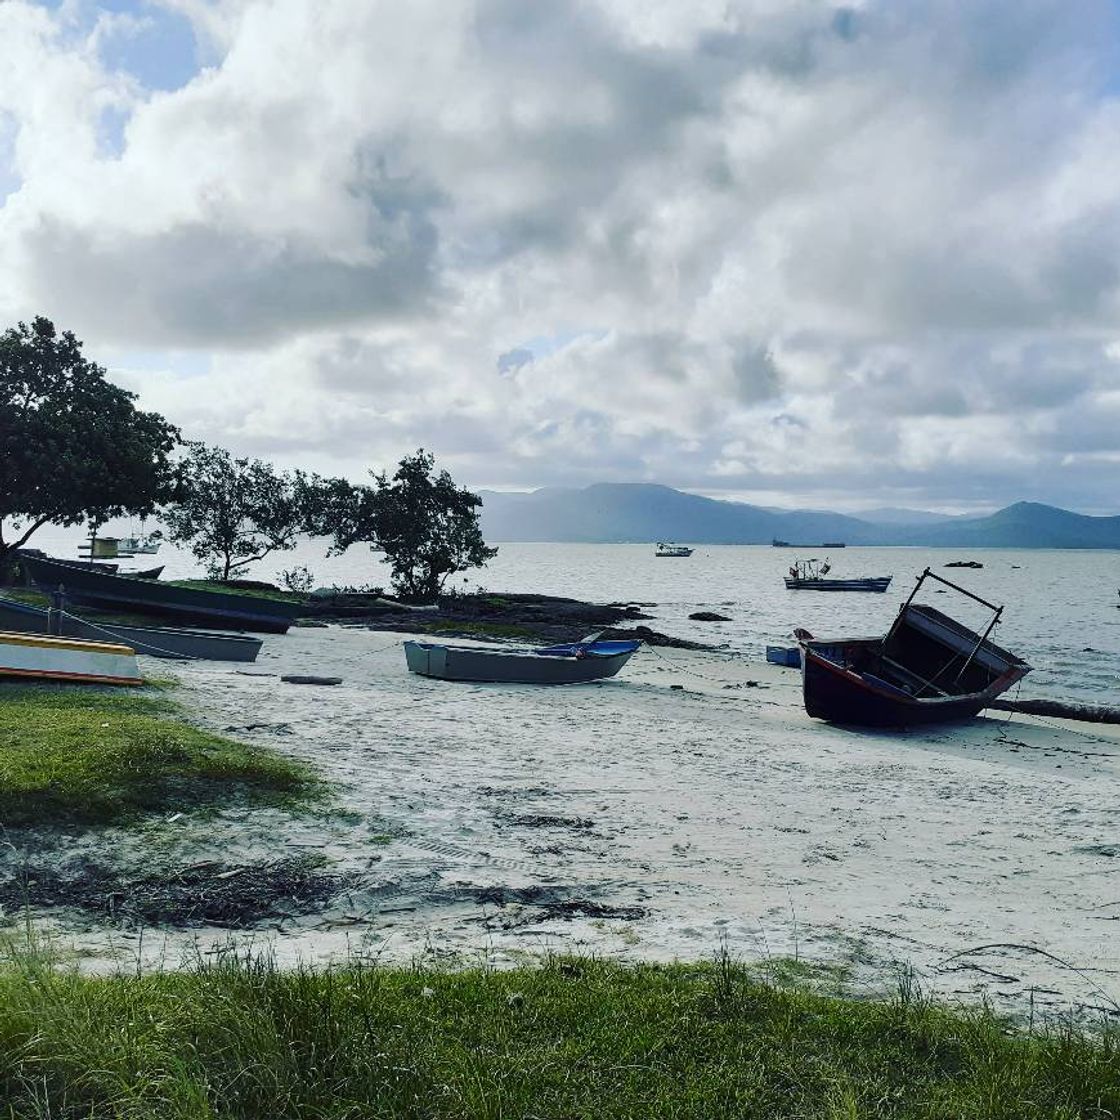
(722, 810)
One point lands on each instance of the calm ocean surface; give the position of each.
(1060, 606)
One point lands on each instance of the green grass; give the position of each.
(252, 592)
(573, 1039)
(72, 754)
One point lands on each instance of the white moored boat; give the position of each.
(39, 657)
(665, 548)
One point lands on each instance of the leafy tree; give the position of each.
(234, 512)
(73, 446)
(426, 526)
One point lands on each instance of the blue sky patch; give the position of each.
(157, 47)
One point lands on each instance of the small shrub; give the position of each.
(299, 580)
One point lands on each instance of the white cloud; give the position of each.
(792, 247)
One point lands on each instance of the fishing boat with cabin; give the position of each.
(812, 575)
(928, 668)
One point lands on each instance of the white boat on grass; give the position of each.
(43, 658)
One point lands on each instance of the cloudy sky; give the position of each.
(800, 252)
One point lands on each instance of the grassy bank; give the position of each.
(78, 755)
(572, 1039)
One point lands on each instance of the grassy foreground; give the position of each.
(572, 1039)
(78, 755)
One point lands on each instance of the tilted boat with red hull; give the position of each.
(928, 668)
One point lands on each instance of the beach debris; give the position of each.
(295, 678)
(275, 728)
(1060, 709)
(543, 820)
(206, 893)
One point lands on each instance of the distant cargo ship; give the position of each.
(827, 544)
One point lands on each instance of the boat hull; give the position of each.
(34, 657)
(152, 641)
(464, 663)
(99, 589)
(928, 669)
(875, 583)
(839, 696)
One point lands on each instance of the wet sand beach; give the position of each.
(687, 804)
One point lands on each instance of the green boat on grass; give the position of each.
(228, 609)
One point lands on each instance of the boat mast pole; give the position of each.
(976, 648)
(901, 611)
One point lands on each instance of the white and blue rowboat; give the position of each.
(563, 664)
(38, 657)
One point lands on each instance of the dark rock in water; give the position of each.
(651, 638)
(708, 616)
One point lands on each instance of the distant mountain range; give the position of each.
(640, 512)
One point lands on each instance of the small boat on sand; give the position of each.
(928, 668)
(664, 548)
(577, 662)
(153, 641)
(35, 657)
(812, 575)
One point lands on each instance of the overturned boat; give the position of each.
(38, 658)
(928, 668)
(573, 663)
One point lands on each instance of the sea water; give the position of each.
(1060, 606)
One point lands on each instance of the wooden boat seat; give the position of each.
(909, 677)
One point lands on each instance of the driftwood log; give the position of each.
(1060, 709)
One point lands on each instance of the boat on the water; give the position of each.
(664, 548)
(112, 548)
(153, 641)
(928, 668)
(100, 589)
(35, 657)
(964, 564)
(574, 663)
(812, 575)
(776, 543)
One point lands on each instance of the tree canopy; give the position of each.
(425, 524)
(233, 512)
(73, 446)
